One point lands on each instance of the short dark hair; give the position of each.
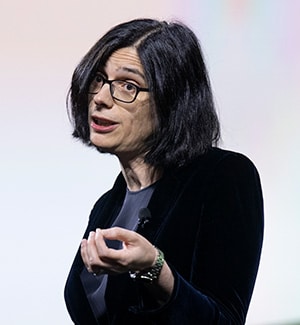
(170, 53)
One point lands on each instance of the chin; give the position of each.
(96, 142)
(101, 148)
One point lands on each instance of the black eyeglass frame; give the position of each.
(111, 88)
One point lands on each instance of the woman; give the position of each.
(177, 240)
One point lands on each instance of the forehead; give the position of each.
(125, 59)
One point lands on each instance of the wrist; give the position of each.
(151, 274)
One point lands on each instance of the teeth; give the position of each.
(104, 123)
(101, 122)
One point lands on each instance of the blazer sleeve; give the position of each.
(227, 250)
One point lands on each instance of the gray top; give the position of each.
(127, 218)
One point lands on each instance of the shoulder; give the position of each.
(232, 175)
(221, 162)
(216, 157)
(234, 163)
(221, 172)
(217, 171)
(233, 169)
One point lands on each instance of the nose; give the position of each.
(103, 97)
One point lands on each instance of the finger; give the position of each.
(93, 257)
(84, 254)
(131, 239)
(97, 264)
(137, 250)
(99, 255)
(97, 249)
(94, 263)
(96, 270)
(100, 243)
(108, 255)
(121, 234)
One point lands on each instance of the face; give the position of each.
(116, 127)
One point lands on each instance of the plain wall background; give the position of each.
(49, 182)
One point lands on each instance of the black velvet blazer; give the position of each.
(207, 218)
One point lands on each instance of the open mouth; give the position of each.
(102, 125)
(102, 122)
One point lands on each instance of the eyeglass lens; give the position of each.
(120, 90)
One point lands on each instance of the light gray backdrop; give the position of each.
(48, 182)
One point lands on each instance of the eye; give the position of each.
(96, 84)
(129, 87)
(125, 87)
(99, 78)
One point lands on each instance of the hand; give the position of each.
(137, 253)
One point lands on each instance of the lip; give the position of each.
(102, 125)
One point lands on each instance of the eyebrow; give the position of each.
(132, 70)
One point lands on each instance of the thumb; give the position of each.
(118, 233)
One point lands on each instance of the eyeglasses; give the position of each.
(120, 90)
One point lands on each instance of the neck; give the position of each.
(139, 174)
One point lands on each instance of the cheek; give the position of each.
(141, 125)
(146, 112)
(89, 109)
(146, 124)
(152, 120)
